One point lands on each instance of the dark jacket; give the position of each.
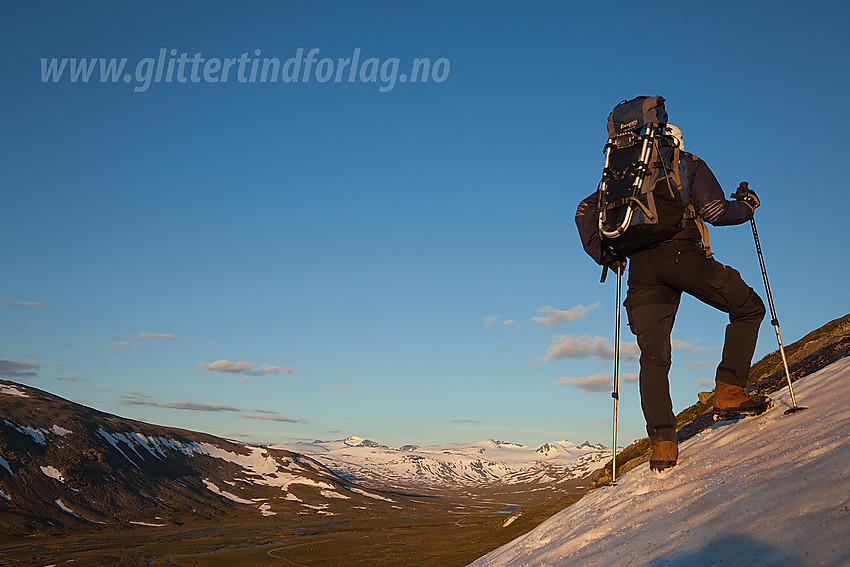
(704, 192)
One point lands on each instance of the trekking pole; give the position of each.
(741, 192)
(615, 394)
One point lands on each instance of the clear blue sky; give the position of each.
(275, 261)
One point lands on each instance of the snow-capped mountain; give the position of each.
(64, 464)
(767, 490)
(485, 463)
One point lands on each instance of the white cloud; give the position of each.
(585, 346)
(145, 336)
(264, 415)
(140, 399)
(244, 368)
(225, 365)
(682, 345)
(490, 320)
(14, 369)
(598, 382)
(158, 336)
(192, 406)
(340, 387)
(553, 317)
(15, 304)
(266, 369)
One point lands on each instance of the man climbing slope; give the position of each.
(659, 272)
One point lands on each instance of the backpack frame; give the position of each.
(641, 201)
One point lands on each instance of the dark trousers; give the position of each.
(657, 278)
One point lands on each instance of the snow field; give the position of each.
(765, 491)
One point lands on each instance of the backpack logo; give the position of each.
(628, 125)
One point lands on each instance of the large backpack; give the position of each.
(643, 198)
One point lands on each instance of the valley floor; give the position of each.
(452, 530)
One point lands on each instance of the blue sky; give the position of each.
(275, 261)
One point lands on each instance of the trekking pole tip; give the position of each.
(795, 409)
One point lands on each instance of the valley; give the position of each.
(83, 487)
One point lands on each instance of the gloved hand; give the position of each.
(751, 199)
(747, 195)
(617, 266)
(612, 261)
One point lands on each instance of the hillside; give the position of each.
(77, 484)
(66, 466)
(765, 491)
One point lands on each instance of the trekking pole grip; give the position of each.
(742, 191)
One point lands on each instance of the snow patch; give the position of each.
(113, 441)
(12, 391)
(65, 509)
(52, 472)
(334, 494)
(60, 431)
(320, 508)
(62, 506)
(213, 488)
(36, 434)
(263, 467)
(5, 464)
(370, 495)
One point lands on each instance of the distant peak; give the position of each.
(508, 444)
(354, 441)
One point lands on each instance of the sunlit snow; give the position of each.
(457, 464)
(52, 472)
(767, 490)
(12, 391)
(213, 488)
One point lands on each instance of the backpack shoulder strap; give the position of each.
(691, 214)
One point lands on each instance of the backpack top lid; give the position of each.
(635, 114)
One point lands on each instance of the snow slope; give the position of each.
(766, 491)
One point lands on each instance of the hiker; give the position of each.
(657, 276)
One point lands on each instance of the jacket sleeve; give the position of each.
(708, 198)
(588, 230)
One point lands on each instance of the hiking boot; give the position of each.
(664, 455)
(731, 401)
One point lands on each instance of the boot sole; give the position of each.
(731, 414)
(661, 465)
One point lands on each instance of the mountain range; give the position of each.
(456, 466)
